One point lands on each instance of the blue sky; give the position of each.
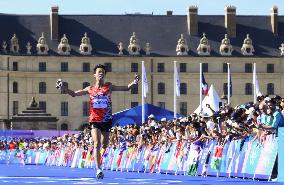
(158, 7)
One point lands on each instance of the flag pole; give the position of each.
(175, 90)
(229, 84)
(200, 86)
(143, 101)
(254, 82)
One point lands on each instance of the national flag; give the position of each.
(154, 154)
(204, 86)
(193, 161)
(217, 156)
(230, 81)
(145, 81)
(255, 82)
(102, 152)
(231, 86)
(257, 91)
(177, 81)
(205, 165)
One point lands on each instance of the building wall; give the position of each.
(28, 78)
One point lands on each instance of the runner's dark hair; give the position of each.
(100, 66)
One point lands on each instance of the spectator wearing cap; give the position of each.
(164, 120)
(151, 121)
(267, 99)
(209, 123)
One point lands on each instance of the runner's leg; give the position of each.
(104, 139)
(96, 135)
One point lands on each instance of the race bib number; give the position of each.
(100, 102)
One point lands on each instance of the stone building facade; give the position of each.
(36, 50)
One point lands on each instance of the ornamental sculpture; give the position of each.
(64, 47)
(4, 46)
(29, 47)
(282, 49)
(120, 48)
(182, 47)
(33, 103)
(226, 48)
(147, 48)
(247, 48)
(42, 47)
(204, 47)
(85, 46)
(14, 44)
(134, 47)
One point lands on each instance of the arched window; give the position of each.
(64, 126)
(42, 88)
(161, 88)
(270, 89)
(248, 89)
(183, 88)
(15, 87)
(86, 84)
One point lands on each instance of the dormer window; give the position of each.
(64, 47)
(247, 48)
(85, 46)
(134, 47)
(204, 47)
(14, 44)
(226, 47)
(42, 47)
(182, 47)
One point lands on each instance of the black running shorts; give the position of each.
(104, 126)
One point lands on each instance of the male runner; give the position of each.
(100, 118)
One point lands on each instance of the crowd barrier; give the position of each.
(28, 134)
(238, 158)
(280, 177)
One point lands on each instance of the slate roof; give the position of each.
(163, 32)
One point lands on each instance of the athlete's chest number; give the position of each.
(100, 102)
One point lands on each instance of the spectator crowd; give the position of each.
(259, 120)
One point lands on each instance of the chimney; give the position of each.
(274, 20)
(54, 23)
(230, 20)
(192, 20)
(169, 12)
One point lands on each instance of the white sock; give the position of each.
(99, 170)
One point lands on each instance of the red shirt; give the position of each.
(100, 104)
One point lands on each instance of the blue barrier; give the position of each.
(237, 158)
(280, 177)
